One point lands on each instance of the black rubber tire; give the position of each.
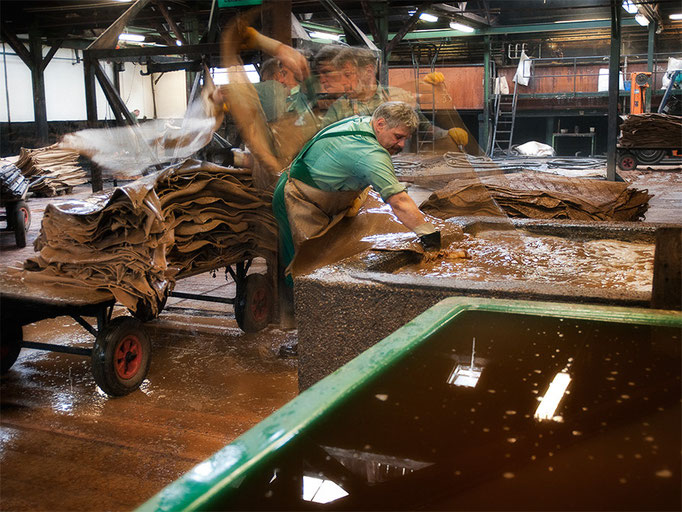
(21, 222)
(627, 161)
(649, 156)
(121, 356)
(10, 345)
(254, 304)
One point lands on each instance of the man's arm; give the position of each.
(406, 210)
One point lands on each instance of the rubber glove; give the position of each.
(428, 236)
(357, 203)
(459, 135)
(434, 78)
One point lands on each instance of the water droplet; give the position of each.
(492, 391)
(625, 397)
(486, 429)
(381, 397)
(622, 481)
(577, 433)
(638, 455)
(510, 413)
(550, 468)
(664, 473)
(508, 475)
(649, 439)
(511, 439)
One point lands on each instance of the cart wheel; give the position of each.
(121, 356)
(10, 345)
(650, 156)
(627, 161)
(253, 306)
(22, 221)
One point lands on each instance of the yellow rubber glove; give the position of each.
(459, 135)
(357, 203)
(434, 78)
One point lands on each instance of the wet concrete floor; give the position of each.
(66, 446)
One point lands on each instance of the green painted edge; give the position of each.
(213, 477)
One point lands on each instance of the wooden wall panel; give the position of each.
(464, 85)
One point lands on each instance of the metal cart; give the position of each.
(13, 189)
(121, 352)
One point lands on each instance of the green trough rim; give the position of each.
(222, 472)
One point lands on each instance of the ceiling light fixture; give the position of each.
(428, 17)
(641, 19)
(462, 28)
(178, 42)
(138, 38)
(676, 16)
(325, 35)
(629, 6)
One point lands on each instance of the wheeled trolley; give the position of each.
(13, 189)
(121, 352)
(628, 158)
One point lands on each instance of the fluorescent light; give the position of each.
(550, 402)
(131, 37)
(325, 35)
(462, 28)
(629, 6)
(641, 19)
(676, 16)
(428, 17)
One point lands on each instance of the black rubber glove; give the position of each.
(431, 241)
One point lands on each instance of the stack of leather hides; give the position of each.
(136, 240)
(651, 131)
(51, 170)
(531, 195)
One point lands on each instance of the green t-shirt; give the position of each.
(352, 162)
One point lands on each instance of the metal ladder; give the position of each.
(505, 118)
(425, 96)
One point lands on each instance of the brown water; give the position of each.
(519, 256)
(411, 440)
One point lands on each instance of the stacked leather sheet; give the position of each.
(136, 240)
(51, 170)
(539, 197)
(651, 131)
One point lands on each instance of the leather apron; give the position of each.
(311, 211)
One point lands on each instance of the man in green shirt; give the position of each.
(332, 170)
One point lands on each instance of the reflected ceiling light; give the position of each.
(138, 38)
(676, 16)
(466, 376)
(629, 6)
(462, 28)
(641, 19)
(550, 402)
(325, 35)
(428, 17)
(319, 490)
(178, 42)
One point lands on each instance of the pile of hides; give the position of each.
(651, 131)
(135, 241)
(51, 170)
(534, 196)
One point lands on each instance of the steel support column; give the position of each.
(650, 65)
(614, 68)
(276, 20)
(38, 81)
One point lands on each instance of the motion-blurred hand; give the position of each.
(459, 136)
(434, 78)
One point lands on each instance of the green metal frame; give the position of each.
(222, 473)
